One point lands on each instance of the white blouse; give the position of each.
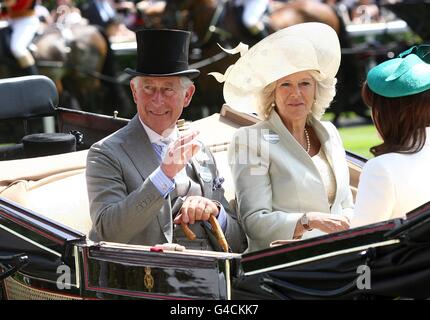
(327, 175)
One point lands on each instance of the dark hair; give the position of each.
(401, 122)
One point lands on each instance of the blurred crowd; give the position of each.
(120, 17)
(362, 11)
(117, 18)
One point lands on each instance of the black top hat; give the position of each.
(162, 53)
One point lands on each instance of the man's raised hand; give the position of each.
(179, 152)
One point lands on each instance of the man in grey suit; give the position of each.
(145, 179)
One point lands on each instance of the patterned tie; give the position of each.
(158, 150)
(161, 147)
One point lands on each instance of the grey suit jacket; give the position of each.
(276, 181)
(126, 207)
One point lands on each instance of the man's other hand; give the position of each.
(196, 208)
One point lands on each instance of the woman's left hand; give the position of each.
(328, 222)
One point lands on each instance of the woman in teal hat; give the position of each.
(396, 180)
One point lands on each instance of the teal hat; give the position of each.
(403, 76)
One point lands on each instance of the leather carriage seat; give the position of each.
(52, 186)
(29, 97)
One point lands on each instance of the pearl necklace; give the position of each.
(308, 141)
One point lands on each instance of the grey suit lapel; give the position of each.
(203, 172)
(196, 167)
(139, 149)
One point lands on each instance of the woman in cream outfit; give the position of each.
(396, 180)
(290, 171)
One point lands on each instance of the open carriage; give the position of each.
(45, 252)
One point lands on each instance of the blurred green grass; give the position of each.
(359, 139)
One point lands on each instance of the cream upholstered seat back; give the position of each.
(53, 186)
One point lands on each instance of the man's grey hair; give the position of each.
(186, 82)
(324, 94)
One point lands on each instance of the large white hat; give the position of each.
(306, 46)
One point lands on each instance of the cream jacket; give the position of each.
(276, 180)
(393, 184)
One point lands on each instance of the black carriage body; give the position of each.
(394, 256)
(123, 272)
(397, 253)
(48, 246)
(64, 264)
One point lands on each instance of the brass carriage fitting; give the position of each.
(182, 125)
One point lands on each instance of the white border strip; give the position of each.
(322, 256)
(30, 241)
(77, 269)
(227, 272)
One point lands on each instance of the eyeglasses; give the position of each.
(422, 51)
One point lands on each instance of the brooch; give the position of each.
(217, 183)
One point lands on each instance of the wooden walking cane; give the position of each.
(216, 228)
(219, 234)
